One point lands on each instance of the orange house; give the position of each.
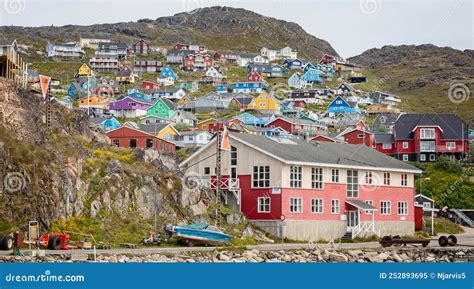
(92, 101)
(204, 125)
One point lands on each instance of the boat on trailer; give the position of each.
(198, 234)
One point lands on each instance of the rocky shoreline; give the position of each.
(406, 255)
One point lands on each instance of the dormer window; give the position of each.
(427, 133)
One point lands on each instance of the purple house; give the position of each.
(129, 107)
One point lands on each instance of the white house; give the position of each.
(197, 138)
(214, 73)
(278, 53)
(259, 59)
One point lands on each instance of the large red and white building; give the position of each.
(322, 191)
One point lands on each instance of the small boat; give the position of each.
(198, 234)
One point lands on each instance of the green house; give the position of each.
(163, 108)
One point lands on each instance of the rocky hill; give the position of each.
(428, 78)
(216, 27)
(68, 177)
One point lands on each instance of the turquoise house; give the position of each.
(312, 76)
(340, 105)
(168, 72)
(296, 80)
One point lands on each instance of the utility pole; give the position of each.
(218, 176)
(48, 110)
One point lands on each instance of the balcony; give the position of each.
(226, 183)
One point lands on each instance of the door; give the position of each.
(352, 219)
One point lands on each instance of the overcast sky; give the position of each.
(351, 26)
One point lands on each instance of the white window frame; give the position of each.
(405, 157)
(427, 205)
(369, 202)
(450, 145)
(352, 186)
(335, 175)
(259, 179)
(317, 206)
(387, 178)
(296, 203)
(427, 133)
(387, 146)
(116, 142)
(432, 157)
(335, 206)
(404, 180)
(384, 209)
(317, 178)
(403, 209)
(428, 146)
(422, 158)
(259, 204)
(405, 144)
(368, 178)
(296, 176)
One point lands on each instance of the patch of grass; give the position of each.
(443, 226)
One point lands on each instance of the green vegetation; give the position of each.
(447, 182)
(443, 226)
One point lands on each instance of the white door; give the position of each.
(352, 219)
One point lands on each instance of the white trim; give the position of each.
(269, 204)
(322, 205)
(389, 207)
(423, 196)
(398, 208)
(289, 203)
(338, 207)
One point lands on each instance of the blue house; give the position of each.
(105, 123)
(293, 63)
(312, 76)
(221, 89)
(308, 66)
(247, 87)
(296, 80)
(340, 105)
(268, 71)
(72, 90)
(168, 72)
(250, 119)
(140, 95)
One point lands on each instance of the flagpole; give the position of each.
(218, 175)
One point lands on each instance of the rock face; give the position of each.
(216, 27)
(70, 170)
(253, 256)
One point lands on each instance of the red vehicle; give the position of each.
(55, 241)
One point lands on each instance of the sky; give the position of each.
(350, 26)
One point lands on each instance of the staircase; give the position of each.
(463, 217)
(347, 236)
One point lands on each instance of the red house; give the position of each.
(127, 137)
(297, 126)
(254, 76)
(327, 59)
(358, 136)
(384, 143)
(148, 85)
(325, 138)
(197, 61)
(192, 47)
(141, 47)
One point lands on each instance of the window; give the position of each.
(317, 206)
(386, 179)
(368, 178)
(427, 146)
(261, 176)
(404, 180)
(207, 171)
(427, 133)
(264, 205)
(405, 144)
(450, 145)
(385, 208)
(133, 143)
(335, 175)
(334, 206)
(352, 184)
(360, 136)
(369, 202)
(405, 157)
(317, 178)
(403, 208)
(427, 205)
(432, 157)
(296, 205)
(422, 158)
(149, 142)
(295, 177)
(116, 142)
(387, 146)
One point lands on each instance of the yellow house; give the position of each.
(184, 100)
(265, 103)
(85, 70)
(204, 125)
(162, 130)
(126, 76)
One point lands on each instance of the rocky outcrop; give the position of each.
(70, 170)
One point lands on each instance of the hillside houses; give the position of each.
(118, 49)
(91, 41)
(273, 53)
(104, 62)
(196, 61)
(63, 51)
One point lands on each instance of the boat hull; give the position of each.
(200, 236)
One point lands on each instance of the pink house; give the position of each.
(322, 191)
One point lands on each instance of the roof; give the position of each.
(98, 120)
(4, 41)
(186, 115)
(152, 128)
(384, 138)
(386, 118)
(244, 100)
(297, 151)
(451, 125)
(361, 205)
(169, 103)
